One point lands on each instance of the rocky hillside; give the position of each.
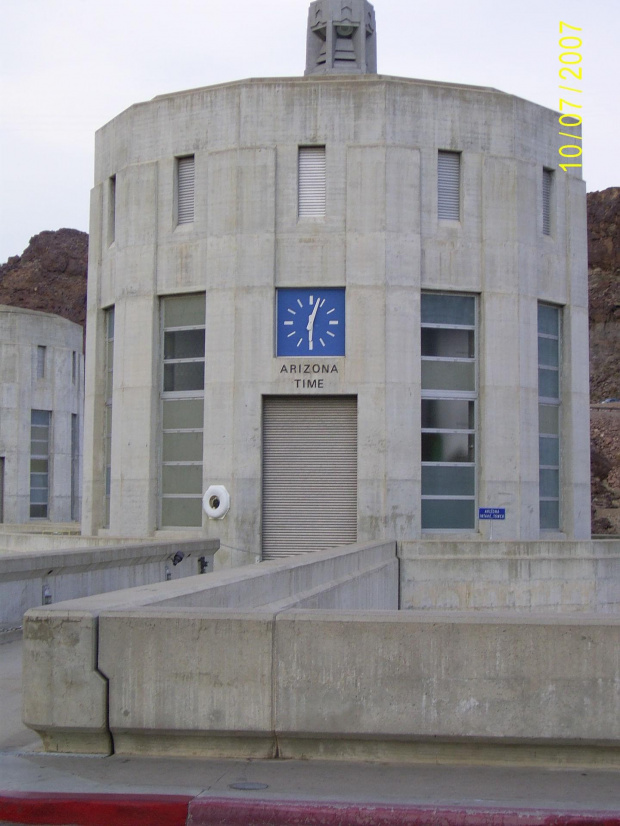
(604, 288)
(51, 276)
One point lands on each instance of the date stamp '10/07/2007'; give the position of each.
(570, 71)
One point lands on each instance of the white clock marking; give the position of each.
(322, 342)
(322, 302)
(290, 335)
(329, 333)
(292, 312)
(288, 323)
(333, 322)
(300, 304)
(299, 342)
(333, 310)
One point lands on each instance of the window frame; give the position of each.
(178, 395)
(472, 433)
(311, 176)
(449, 208)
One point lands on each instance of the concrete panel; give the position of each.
(556, 577)
(395, 677)
(210, 696)
(65, 700)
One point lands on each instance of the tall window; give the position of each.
(112, 209)
(549, 415)
(75, 467)
(183, 346)
(449, 186)
(40, 421)
(448, 412)
(107, 426)
(41, 357)
(185, 189)
(546, 203)
(311, 182)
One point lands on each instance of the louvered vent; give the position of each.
(449, 186)
(546, 207)
(309, 474)
(185, 172)
(311, 181)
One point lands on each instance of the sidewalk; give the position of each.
(123, 791)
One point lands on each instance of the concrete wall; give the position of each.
(231, 665)
(27, 579)
(61, 642)
(21, 332)
(523, 577)
(382, 240)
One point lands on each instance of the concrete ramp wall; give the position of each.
(184, 668)
(66, 695)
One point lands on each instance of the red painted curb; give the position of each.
(208, 811)
(57, 809)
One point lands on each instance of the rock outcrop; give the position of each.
(49, 276)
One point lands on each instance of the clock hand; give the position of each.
(310, 324)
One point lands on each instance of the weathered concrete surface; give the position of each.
(552, 576)
(394, 686)
(60, 390)
(70, 574)
(55, 642)
(66, 699)
(189, 682)
(381, 239)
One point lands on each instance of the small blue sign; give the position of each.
(491, 513)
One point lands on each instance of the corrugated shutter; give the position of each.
(309, 474)
(546, 210)
(311, 181)
(449, 185)
(185, 171)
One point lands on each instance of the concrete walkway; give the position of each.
(121, 791)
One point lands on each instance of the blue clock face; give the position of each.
(311, 322)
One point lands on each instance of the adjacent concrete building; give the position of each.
(357, 302)
(41, 405)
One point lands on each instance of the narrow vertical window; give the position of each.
(311, 182)
(182, 397)
(547, 183)
(41, 356)
(185, 189)
(449, 399)
(449, 186)
(1, 489)
(40, 421)
(107, 424)
(74, 367)
(549, 416)
(112, 210)
(75, 467)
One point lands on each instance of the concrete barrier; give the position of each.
(524, 577)
(29, 580)
(182, 668)
(58, 659)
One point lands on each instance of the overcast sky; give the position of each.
(69, 66)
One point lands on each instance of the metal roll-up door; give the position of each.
(309, 474)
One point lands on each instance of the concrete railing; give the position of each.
(233, 665)
(66, 697)
(29, 580)
(522, 577)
